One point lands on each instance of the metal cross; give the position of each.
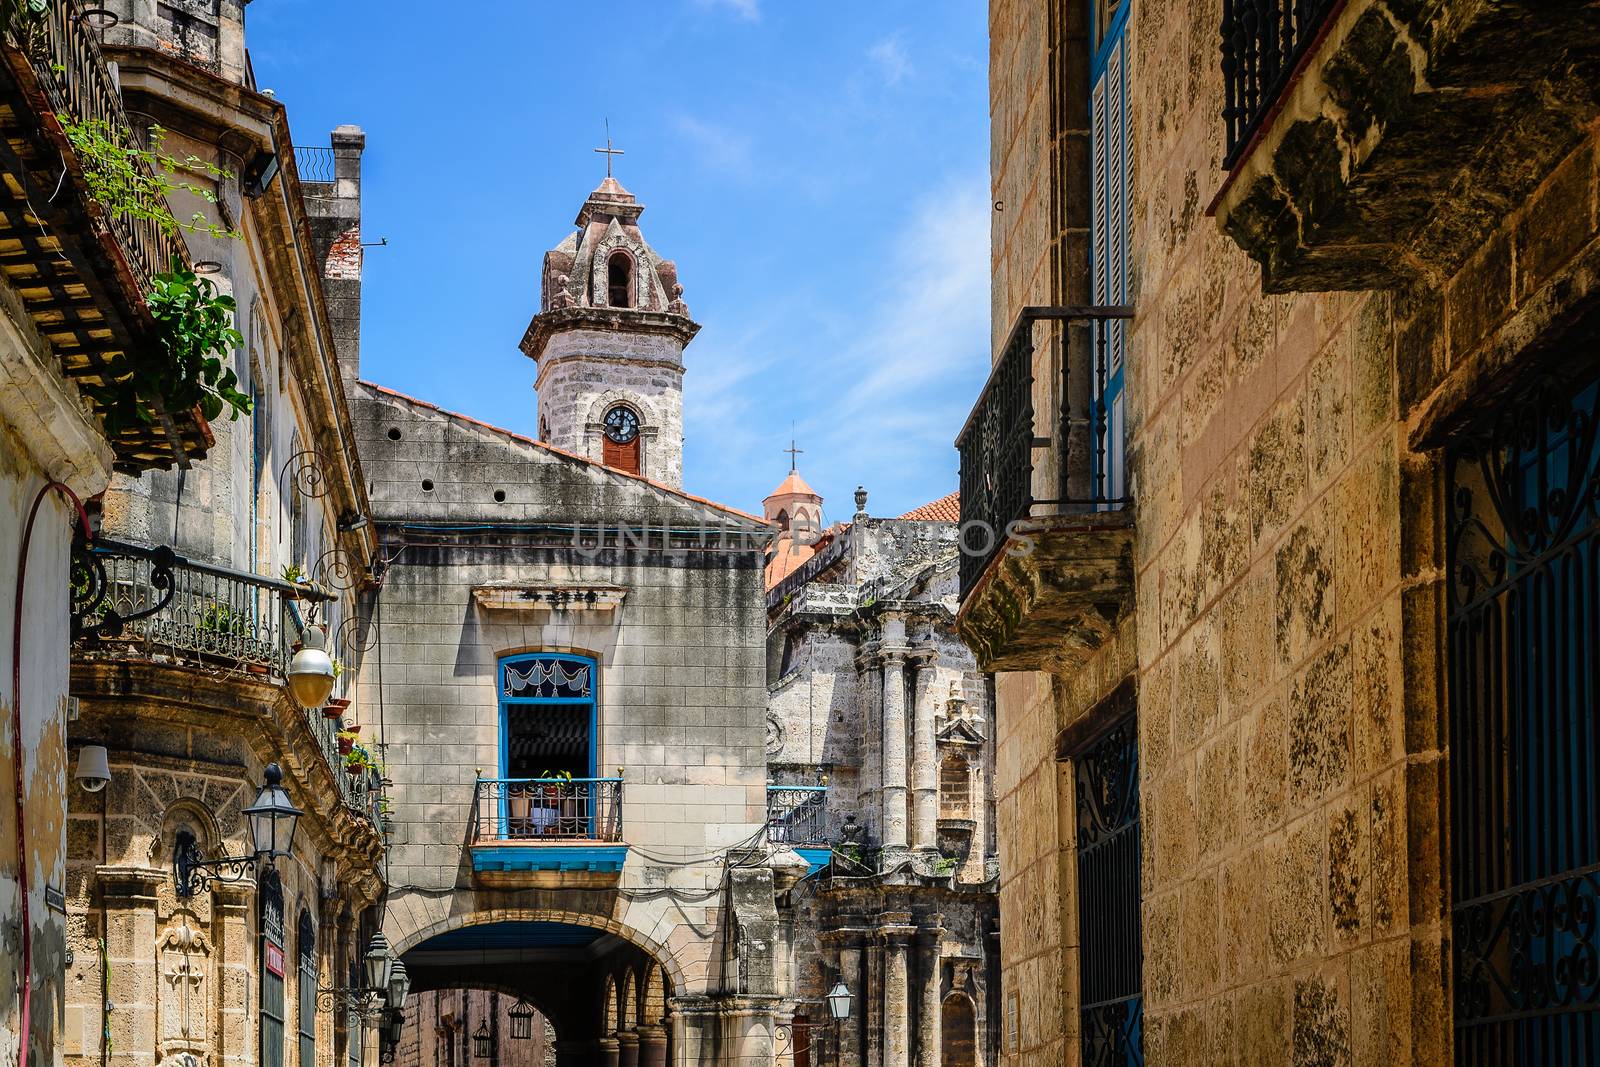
(794, 455)
(608, 151)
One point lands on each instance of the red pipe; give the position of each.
(23, 1031)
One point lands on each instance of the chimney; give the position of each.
(330, 180)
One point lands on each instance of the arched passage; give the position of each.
(959, 1032)
(585, 979)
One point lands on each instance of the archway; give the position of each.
(959, 1032)
(596, 987)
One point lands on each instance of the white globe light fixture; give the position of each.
(311, 670)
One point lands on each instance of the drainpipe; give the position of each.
(24, 1030)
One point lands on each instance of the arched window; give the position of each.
(783, 519)
(620, 441)
(619, 271)
(306, 1010)
(955, 787)
(959, 1031)
(271, 945)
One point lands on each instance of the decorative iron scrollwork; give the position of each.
(1108, 786)
(101, 608)
(356, 633)
(191, 872)
(335, 570)
(304, 470)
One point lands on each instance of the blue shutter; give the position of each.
(1109, 224)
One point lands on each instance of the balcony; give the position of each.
(797, 816)
(81, 273)
(1357, 130)
(1046, 548)
(542, 832)
(132, 602)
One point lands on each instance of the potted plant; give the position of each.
(294, 574)
(357, 761)
(347, 741)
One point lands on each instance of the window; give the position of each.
(1524, 670)
(1110, 954)
(620, 440)
(354, 979)
(548, 720)
(1109, 212)
(306, 1006)
(619, 270)
(271, 956)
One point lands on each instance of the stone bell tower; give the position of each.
(609, 340)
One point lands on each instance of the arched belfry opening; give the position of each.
(592, 989)
(619, 280)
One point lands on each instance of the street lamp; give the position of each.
(399, 986)
(378, 964)
(311, 670)
(839, 998)
(522, 1020)
(482, 1043)
(272, 824)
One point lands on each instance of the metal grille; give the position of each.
(796, 814)
(1262, 40)
(998, 440)
(1524, 640)
(548, 809)
(1110, 956)
(315, 164)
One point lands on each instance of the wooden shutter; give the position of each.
(624, 457)
(1109, 226)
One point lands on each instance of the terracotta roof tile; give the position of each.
(945, 509)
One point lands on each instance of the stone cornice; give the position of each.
(547, 324)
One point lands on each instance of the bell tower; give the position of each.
(609, 340)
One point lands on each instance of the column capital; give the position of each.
(894, 655)
(651, 1034)
(923, 655)
(626, 1037)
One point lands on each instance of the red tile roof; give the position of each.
(945, 509)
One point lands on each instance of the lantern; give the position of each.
(399, 985)
(272, 818)
(311, 670)
(482, 1043)
(839, 998)
(522, 1020)
(378, 964)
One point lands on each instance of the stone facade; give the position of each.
(447, 1020)
(1286, 614)
(881, 759)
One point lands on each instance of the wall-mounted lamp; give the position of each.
(385, 985)
(311, 670)
(94, 770)
(272, 822)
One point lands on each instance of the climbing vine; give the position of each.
(183, 365)
(136, 182)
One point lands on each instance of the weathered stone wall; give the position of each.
(1287, 642)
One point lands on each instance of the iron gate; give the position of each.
(1524, 647)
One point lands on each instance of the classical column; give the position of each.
(627, 1049)
(609, 1051)
(925, 754)
(869, 686)
(892, 831)
(895, 934)
(652, 1046)
(848, 941)
(930, 1006)
(129, 896)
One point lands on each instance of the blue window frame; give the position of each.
(549, 715)
(1109, 222)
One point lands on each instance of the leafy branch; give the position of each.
(135, 182)
(183, 365)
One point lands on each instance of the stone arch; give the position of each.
(186, 813)
(405, 935)
(609, 1023)
(594, 416)
(642, 278)
(653, 1010)
(628, 1003)
(958, 1031)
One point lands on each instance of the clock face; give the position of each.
(622, 425)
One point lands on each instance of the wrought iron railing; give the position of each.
(70, 70)
(797, 814)
(1262, 42)
(145, 602)
(547, 809)
(316, 163)
(998, 441)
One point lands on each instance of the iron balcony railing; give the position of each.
(72, 74)
(999, 438)
(547, 809)
(141, 602)
(1262, 43)
(796, 814)
(316, 163)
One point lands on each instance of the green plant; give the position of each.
(293, 573)
(944, 865)
(359, 758)
(338, 666)
(221, 619)
(183, 367)
(26, 19)
(135, 182)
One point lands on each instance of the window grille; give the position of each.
(271, 965)
(1524, 669)
(306, 990)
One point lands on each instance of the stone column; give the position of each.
(237, 1011)
(608, 1051)
(893, 829)
(925, 754)
(129, 897)
(652, 1046)
(849, 940)
(869, 687)
(930, 1006)
(895, 934)
(627, 1049)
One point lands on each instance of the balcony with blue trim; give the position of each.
(797, 817)
(548, 832)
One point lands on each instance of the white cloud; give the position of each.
(748, 10)
(889, 56)
(718, 147)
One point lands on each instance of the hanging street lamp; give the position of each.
(839, 998)
(482, 1043)
(522, 1020)
(310, 671)
(399, 986)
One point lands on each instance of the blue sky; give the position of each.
(817, 168)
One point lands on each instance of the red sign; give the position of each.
(275, 959)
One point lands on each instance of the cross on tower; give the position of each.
(608, 151)
(794, 455)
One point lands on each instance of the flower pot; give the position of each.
(336, 703)
(331, 713)
(346, 745)
(354, 770)
(255, 668)
(385, 825)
